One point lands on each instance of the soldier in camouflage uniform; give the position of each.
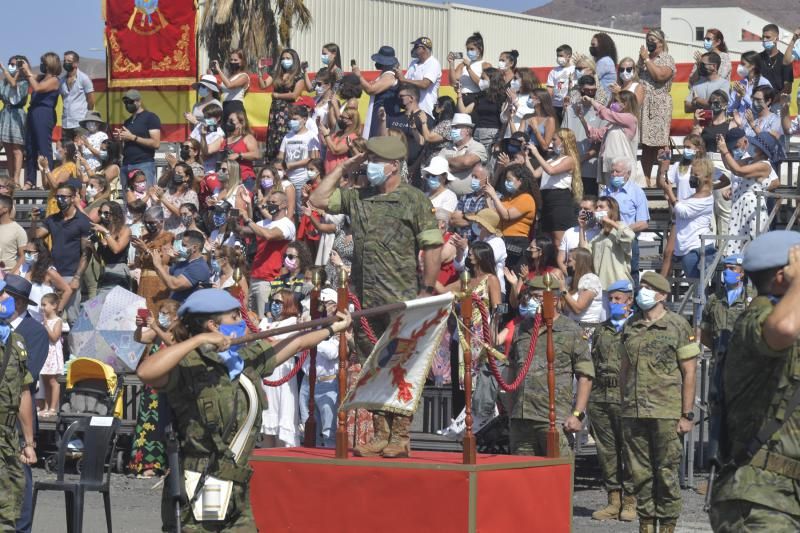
(530, 410)
(659, 364)
(15, 405)
(200, 377)
(392, 222)
(757, 489)
(604, 409)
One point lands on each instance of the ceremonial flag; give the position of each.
(394, 375)
(151, 42)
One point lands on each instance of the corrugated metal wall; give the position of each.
(359, 27)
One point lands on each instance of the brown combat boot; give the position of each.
(647, 525)
(668, 527)
(628, 513)
(610, 511)
(399, 443)
(380, 424)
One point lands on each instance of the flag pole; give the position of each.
(310, 430)
(341, 426)
(548, 313)
(466, 317)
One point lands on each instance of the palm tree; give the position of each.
(259, 27)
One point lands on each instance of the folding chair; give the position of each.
(99, 440)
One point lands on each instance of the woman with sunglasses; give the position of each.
(190, 153)
(297, 260)
(113, 242)
(628, 80)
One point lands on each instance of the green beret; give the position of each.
(657, 281)
(387, 147)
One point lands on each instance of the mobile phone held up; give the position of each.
(265, 62)
(458, 55)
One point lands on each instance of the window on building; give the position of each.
(699, 33)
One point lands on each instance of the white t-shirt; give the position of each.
(681, 180)
(95, 139)
(558, 79)
(285, 224)
(210, 161)
(562, 180)
(499, 249)
(572, 238)
(296, 147)
(446, 200)
(595, 313)
(692, 219)
(429, 70)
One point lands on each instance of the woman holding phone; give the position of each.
(235, 82)
(288, 84)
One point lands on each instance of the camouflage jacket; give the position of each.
(654, 351)
(758, 383)
(201, 395)
(531, 400)
(389, 230)
(16, 379)
(607, 359)
(719, 317)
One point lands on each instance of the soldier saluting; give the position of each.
(760, 444)
(215, 392)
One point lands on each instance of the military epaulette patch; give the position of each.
(21, 346)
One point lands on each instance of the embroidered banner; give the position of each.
(394, 374)
(151, 42)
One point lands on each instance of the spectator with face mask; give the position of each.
(231, 189)
(713, 42)
(507, 64)
(298, 148)
(337, 144)
(13, 238)
(571, 239)
(486, 108)
(14, 96)
(211, 136)
(466, 72)
(581, 117)
(780, 76)
(190, 152)
(77, 95)
(241, 146)
(750, 77)
(760, 118)
(628, 80)
(542, 124)
(604, 52)
(141, 133)
(289, 81)
(516, 108)
(382, 90)
(437, 175)
(619, 136)
(41, 117)
(424, 72)
(176, 191)
(207, 93)
(471, 204)
(462, 153)
(708, 82)
(155, 237)
(92, 128)
(719, 124)
(190, 270)
(560, 78)
(611, 246)
(235, 82)
(113, 243)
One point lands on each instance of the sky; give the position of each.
(33, 27)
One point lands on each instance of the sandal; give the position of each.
(27, 186)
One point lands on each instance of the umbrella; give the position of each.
(104, 330)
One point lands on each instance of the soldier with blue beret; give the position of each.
(214, 387)
(760, 442)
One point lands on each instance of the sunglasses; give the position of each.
(63, 197)
(626, 69)
(103, 213)
(589, 92)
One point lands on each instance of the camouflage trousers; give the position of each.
(529, 437)
(364, 346)
(733, 516)
(653, 452)
(240, 515)
(12, 479)
(606, 428)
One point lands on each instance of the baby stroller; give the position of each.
(92, 390)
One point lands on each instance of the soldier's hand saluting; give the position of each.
(791, 272)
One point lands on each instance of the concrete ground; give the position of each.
(136, 506)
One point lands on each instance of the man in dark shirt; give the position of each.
(772, 67)
(410, 123)
(141, 133)
(70, 230)
(189, 272)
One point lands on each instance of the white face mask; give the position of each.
(561, 61)
(742, 71)
(626, 76)
(515, 85)
(483, 84)
(501, 65)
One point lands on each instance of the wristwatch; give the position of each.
(688, 416)
(580, 415)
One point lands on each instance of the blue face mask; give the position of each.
(688, 154)
(472, 55)
(7, 308)
(294, 125)
(287, 63)
(163, 320)
(476, 229)
(558, 150)
(708, 44)
(768, 45)
(231, 357)
(376, 174)
(455, 135)
(31, 258)
(325, 58)
(275, 309)
(183, 253)
(530, 310)
(475, 184)
(511, 188)
(433, 183)
(219, 219)
(617, 182)
(731, 278)
(618, 310)
(215, 268)
(646, 299)
(739, 153)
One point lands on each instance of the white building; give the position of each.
(741, 28)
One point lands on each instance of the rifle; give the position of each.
(175, 487)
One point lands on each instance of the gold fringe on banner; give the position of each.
(158, 82)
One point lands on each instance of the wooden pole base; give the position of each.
(310, 432)
(341, 444)
(470, 455)
(552, 444)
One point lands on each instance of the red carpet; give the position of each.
(307, 490)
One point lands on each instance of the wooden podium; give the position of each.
(305, 490)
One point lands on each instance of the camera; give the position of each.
(458, 55)
(20, 63)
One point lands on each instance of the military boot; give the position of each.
(647, 525)
(380, 425)
(399, 443)
(610, 511)
(628, 512)
(666, 527)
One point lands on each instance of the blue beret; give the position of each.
(209, 301)
(734, 259)
(621, 285)
(770, 250)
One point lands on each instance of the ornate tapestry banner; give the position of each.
(151, 42)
